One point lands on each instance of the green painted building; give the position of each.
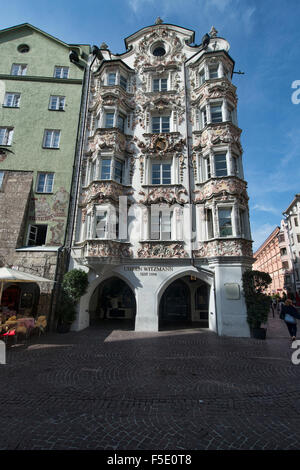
(41, 85)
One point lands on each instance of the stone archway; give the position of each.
(186, 301)
(113, 301)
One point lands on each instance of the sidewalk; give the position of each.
(186, 390)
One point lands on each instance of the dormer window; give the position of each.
(160, 84)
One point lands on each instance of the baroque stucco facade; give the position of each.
(162, 197)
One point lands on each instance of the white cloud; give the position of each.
(270, 209)
(260, 234)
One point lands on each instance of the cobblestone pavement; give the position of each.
(107, 389)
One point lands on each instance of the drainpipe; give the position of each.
(66, 247)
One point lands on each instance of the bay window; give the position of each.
(216, 113)
(220, 164)
(225, 222)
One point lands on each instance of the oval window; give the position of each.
(159, 51)
(23, 48)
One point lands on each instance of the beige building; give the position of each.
(268, 258)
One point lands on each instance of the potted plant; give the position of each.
(74, 285)
(257, 302)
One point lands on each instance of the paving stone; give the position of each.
(108, 388)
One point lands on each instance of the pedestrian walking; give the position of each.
(290, 314)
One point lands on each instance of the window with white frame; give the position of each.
(57, 103)
(207, 167)
(160, 84)
(220, 164)
(12, 100)
(112, 169)
(19, 69)
(209, 222)
(201, 76)
(123, 82)
(51, 138)
(235, 165)
(243, 222)
(160, 124)
(101, 224)
(111, 79)
(61, 72)
(109, 120)
(6, 135)
(216, 113)
(161, 224)
(121, 122)
(225, 222)
(161, 173)
(1, 179)
(45, 182)
(37, 235)
(105, 165)
(118, 174)
(213, 71)
(203, 118)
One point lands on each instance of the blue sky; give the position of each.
(265, 44)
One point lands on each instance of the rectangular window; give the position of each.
(221, 164)
(225, 224)
(160, 124)
(201, 77)
(161, 225)
(123, 82)
(61, 72)
(210, 227)
(105, 168)
(208, 169)
(296, 221)
(57, 103)
(111, 78)
(118, 171)
(235, 165)
(6, 135)
(51, 139)
(285, 265)
(1, 179)
(283, 251)
(18, 69)
(213, 72)
(101, 224)
(109, 120)
(121, 122)
(216, 113)
(243, 222)
(160, 84)
(37, 235)
(203, 118)
(281, 238)
(161, 173)
(45, 183)
(12, 100)
(298, 238)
